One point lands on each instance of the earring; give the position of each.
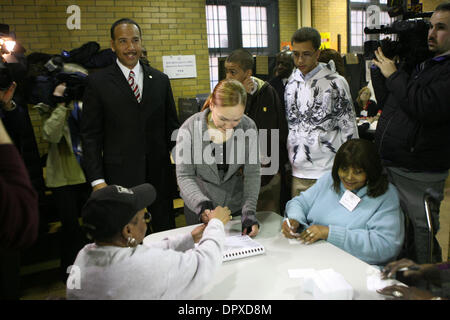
(131, 242)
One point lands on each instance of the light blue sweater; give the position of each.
(372, 232)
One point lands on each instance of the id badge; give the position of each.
(349, 200)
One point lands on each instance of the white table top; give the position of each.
(266, 276)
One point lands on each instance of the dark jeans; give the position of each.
(9, 274)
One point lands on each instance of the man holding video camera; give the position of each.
(413, 132)
(18, 199)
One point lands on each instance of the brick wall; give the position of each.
(331, 16)
(327, 16)
(287, 10)
(171, 27)
(430, 5)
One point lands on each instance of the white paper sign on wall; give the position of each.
(373, 16)
(74, 21)
(178, 67)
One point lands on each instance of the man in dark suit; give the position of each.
(128, 118)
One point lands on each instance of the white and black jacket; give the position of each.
(320, 117)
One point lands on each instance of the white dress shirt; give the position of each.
(138, 74)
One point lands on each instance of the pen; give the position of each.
(290, 229)
(413, 268)
(288, 223)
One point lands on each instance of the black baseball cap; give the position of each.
(109, 209)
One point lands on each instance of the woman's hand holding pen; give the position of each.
(289, 228)
(310, 235)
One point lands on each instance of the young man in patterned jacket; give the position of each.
(319, 109)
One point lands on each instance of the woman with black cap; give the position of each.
(116, 266)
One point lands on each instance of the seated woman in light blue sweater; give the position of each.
(354, 207)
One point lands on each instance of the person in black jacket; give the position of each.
(19, 215)
(264, 107)
(128, 118)
(413, 132)
(284, 66)
(283, 69)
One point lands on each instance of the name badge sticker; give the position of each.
(349, 200)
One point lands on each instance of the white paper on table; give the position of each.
(373, 125)
(239, 241)
(374, 281)
(300, 273)
(328, 285)
(294, 241)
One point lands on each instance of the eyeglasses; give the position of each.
(304, 55)
(147, 217)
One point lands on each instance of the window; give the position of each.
(216, 26)
(254, 27)
(213, 71)
(233, 24)
(357, 23)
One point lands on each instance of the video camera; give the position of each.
(47, 72)
(412, 30)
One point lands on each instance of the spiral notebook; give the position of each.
(239, 246)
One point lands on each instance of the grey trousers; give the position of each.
(412, 187)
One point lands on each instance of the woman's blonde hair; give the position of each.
(358, 99)
(227, 93)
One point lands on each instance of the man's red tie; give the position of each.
(134, 86)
